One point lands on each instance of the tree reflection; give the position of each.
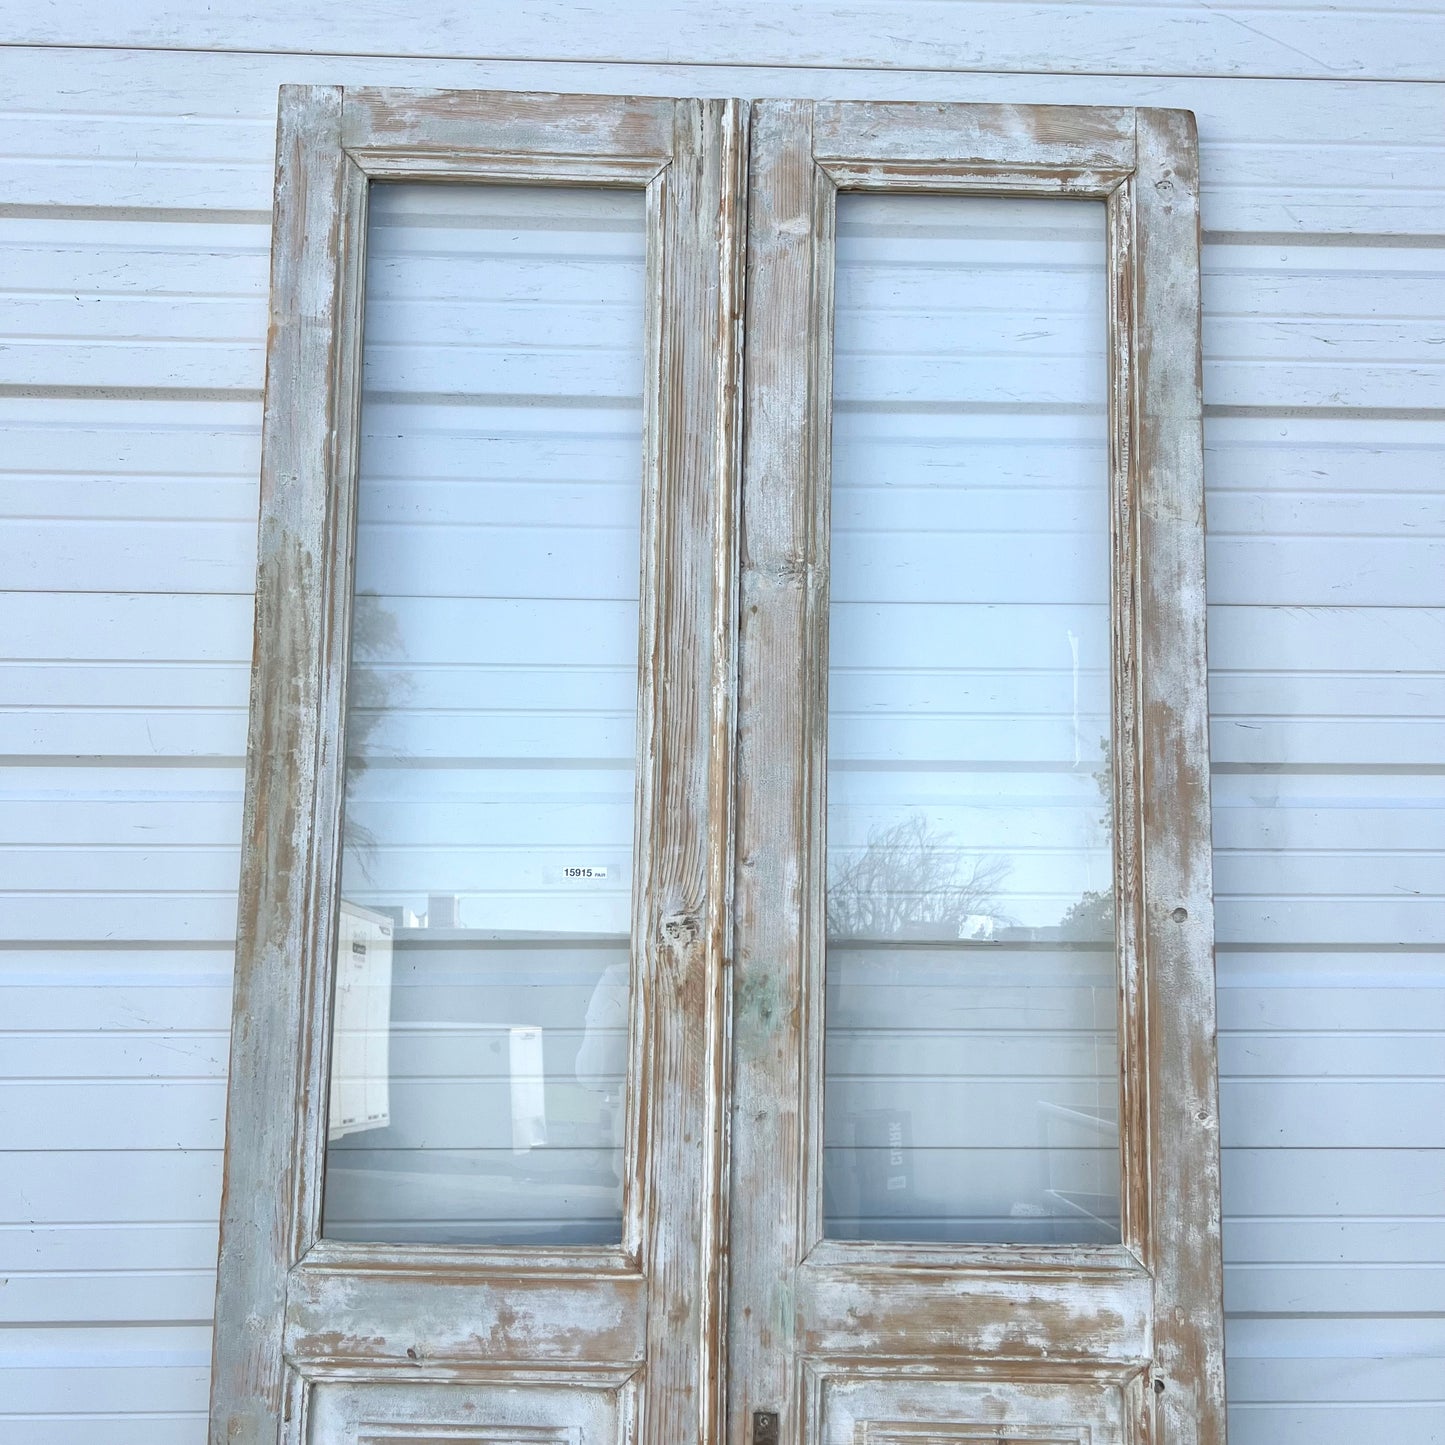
(1091, 919)
(910, 882)
(374, 687)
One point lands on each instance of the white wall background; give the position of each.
(135, 173)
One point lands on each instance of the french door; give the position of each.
(973, 1164)
(725, 941)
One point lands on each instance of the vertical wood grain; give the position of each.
(817, 363)
(778, 608)
(1128, 841)
(289, 781)
(318, 964)
(687, 670)
(1178, 908)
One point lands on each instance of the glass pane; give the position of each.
(479, 1047)
(971, 1051)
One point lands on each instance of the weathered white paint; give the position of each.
(134, 200)
(1369, 40)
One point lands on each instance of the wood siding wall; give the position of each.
(135, 181)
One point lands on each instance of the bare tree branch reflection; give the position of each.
(910, 882)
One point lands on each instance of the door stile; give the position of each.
(685, 877)
(293, 786)
(782, 599)
(1177, 884)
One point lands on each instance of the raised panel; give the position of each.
(387, 1413)
(898, 1433)
(501, 1434)
(964, 1411)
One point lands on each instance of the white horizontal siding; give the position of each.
(1280, 157)
(134, 205)
(1374, 39)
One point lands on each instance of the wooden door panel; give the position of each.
(346, 1311)
(405, 1413)
(1057, 1310)
(970, 1411)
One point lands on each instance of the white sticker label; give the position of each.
(576, 875)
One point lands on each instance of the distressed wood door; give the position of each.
(912, 1138)
(1046, 1269)
(372, 1316)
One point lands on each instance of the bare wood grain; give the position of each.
(974, 1404)
(929, 177)
(848, 1313)
(589, 1407)
(799, 1305)
(1178, 918)
(288, 786)
(454, 122)
(1037, 137)
(1125, 561)
(343, 1321)
(778, 599)
(685, 866)
(519, 169)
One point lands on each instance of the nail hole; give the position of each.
(1179, 915)
(1158, 1387)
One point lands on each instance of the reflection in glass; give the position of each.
(480, 1036)
(971, 1049)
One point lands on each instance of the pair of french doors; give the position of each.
(725, 939)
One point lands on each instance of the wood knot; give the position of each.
(682, 930)
(795, 570)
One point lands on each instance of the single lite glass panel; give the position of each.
(480, 1037)
(971, 1050)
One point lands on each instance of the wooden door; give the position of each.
(974, 1130)
(716, 962)
(493, 666)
